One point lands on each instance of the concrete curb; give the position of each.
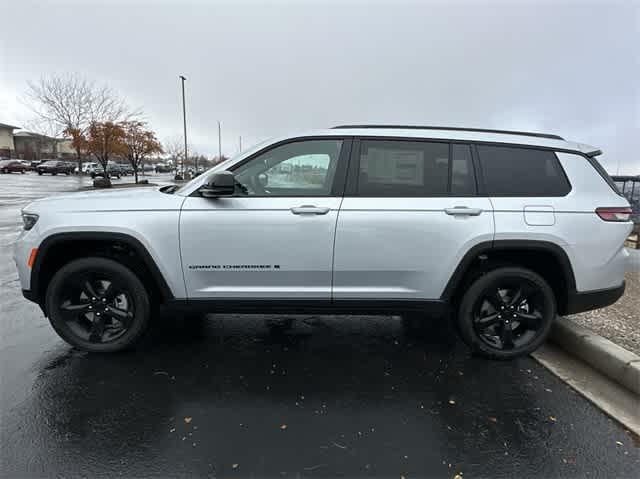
(616, 363)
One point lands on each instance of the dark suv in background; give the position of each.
(54, 167)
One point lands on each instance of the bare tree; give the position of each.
(174, 147)
(69, 104)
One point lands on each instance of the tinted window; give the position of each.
(403, 168)
(463, 179)
(304, 168)
(511, 171)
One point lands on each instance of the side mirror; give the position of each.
(220, 184)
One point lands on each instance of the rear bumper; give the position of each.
(580, 302)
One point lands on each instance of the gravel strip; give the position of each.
(619, 322)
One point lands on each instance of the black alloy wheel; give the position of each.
(97, 304)
(507, 313)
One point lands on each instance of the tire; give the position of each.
(5, 171)
(497, 322)
(40, 173)
(123, 314)
(54, 173)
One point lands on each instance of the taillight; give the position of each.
(614, 214)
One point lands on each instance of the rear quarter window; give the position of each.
(517, 171)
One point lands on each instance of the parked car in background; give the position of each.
(27, 165)
(90, 167)
(12, 166)
(126, 169)
(163, 169)
(113, 170)
(55, 167)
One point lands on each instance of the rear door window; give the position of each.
(515, 171)
(399, 168)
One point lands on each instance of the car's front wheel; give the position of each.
(98, 305)
(506, 313)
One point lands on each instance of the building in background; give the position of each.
(7, 146)
(35, 147)
(65, 149)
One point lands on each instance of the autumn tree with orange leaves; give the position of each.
(106, 140)
(140, 143)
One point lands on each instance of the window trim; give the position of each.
(485, 190)
(339, 179)
(351, 189)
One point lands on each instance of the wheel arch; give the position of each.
(544, 257)
(60, 248)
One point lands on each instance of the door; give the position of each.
(274, 237)
(410, 213)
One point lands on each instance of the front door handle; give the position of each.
(463, 211)
(310, 210)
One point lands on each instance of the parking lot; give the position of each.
(232, 395)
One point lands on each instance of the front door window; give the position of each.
(304, 168)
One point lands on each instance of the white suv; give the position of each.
(503, 229)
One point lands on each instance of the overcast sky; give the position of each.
(268, 68)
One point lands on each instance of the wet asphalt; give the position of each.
(242, 396)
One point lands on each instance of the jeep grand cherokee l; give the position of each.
(505, 230)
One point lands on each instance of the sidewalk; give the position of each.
(619, 322)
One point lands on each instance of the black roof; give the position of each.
(452, 128)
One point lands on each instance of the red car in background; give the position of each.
(12, 166)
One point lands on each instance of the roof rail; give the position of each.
(451, 128)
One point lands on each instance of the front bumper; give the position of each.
(586, 301)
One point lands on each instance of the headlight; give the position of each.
(29, 220)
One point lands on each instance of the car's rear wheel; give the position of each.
(506, 313)
(5, 171)
(40, 173)
(97, 305)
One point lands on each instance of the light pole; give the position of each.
(184, 119)
(219, 142)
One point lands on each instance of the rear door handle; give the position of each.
(463, 211)
(310, 210)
